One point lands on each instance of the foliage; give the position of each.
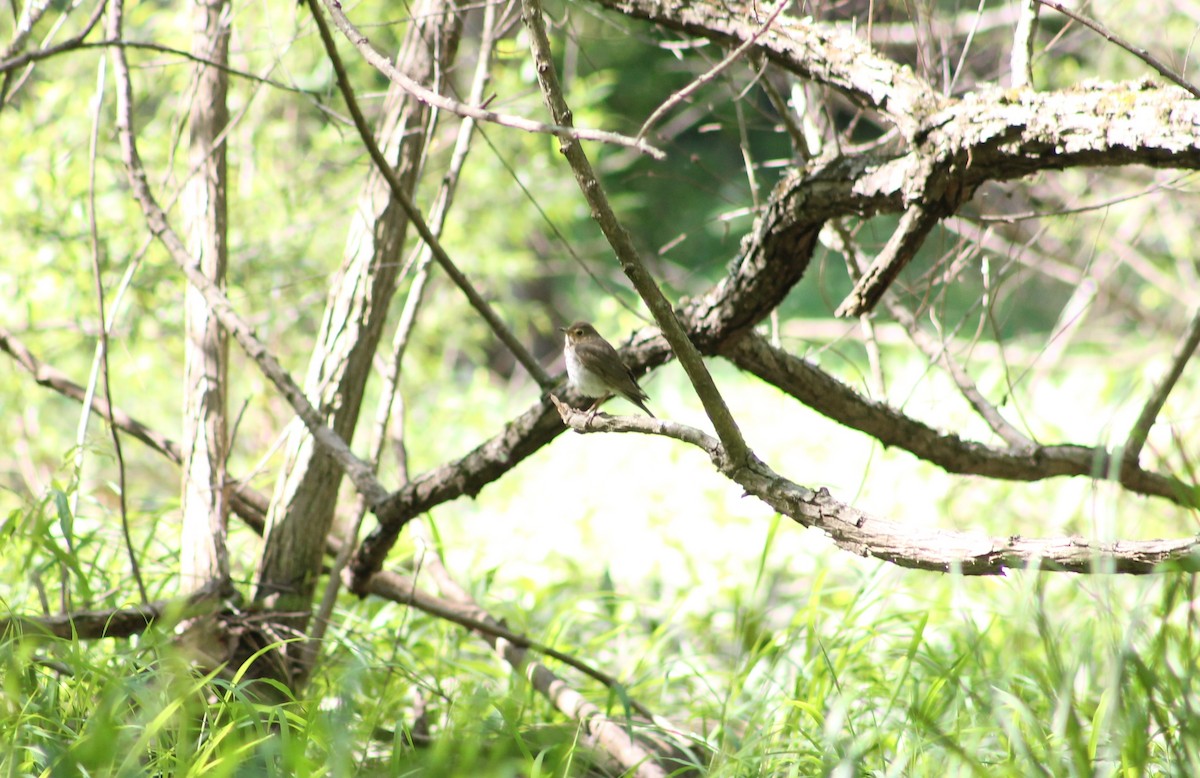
(772, 651)
(844, 670)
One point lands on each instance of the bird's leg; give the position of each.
(595, 407)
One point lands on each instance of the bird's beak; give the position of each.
(562, 329)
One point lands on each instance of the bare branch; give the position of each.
(622, 244)
(939, 352)
(112, 623)
(102, 350)
(247, 503)
(52, 378)
(384, 66)
(612, 736)
(905, 544)
(948, 451)
(903, 33)
(89, 625)
(1136, 51)
(1021, 67)
(356, 469)
(1002, 140)
(16, 62)
(418, 221)
(408, 317)
(900, 249)
(812, 51)
(683, 94)
(73, 42)
(31, 14)
(840, 240)
(1184, 350)
(466, 475)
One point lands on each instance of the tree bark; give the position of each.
(306, 491)
(204, 557)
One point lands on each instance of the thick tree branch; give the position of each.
(995, 136)
(111, 623)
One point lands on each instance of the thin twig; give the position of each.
(31, 14)
(449, 588)
(415, 217)
(940, 352)
(937, 352)
(597, 279)
(1154, 403)
(794, 130)
(51, 378)
(910, 233)
(855, 266)
(1013, 218)
(1136, 51)
(622, 244)
(716, 70)
(41, 54)
(102, 346)
(429, 97)
(960, 68)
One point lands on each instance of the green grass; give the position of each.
(777, 653)
(854, 672)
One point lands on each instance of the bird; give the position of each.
(595, 369)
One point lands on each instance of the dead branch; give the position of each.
(614, 737)
(967, 553)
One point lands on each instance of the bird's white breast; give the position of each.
(583, 380)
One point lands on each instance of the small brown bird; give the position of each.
(595, 369)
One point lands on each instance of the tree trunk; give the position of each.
(306, 493)
(204, 558)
